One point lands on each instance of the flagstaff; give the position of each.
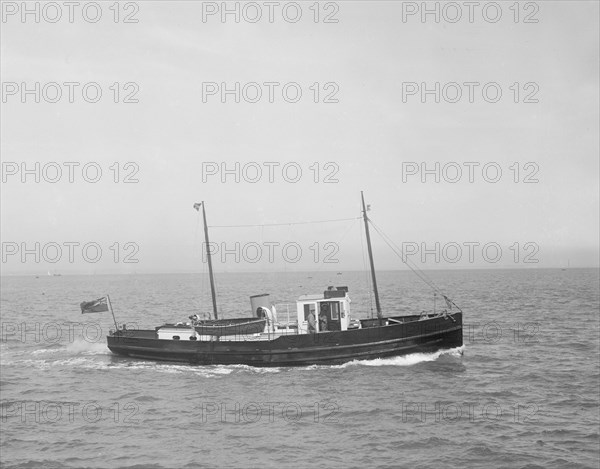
(99, 306)
(112, 312)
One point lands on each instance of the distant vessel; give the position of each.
(322, 331)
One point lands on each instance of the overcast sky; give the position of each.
(377, 137)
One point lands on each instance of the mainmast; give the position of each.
(210, 269)
(374, 279)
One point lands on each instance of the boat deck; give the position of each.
(283, 330)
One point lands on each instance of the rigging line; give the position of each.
(407, 261)
(283, 224)
(403, 257)
(418, 272)
(350, 227)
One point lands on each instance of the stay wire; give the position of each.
(398, 251)
(284, 224)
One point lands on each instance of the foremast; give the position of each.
(373, 277)
(210, 269)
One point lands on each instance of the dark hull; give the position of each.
(304, 349)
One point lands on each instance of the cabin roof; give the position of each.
(311, 297)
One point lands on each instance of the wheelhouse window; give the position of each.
(308, 308)
(335, 311)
